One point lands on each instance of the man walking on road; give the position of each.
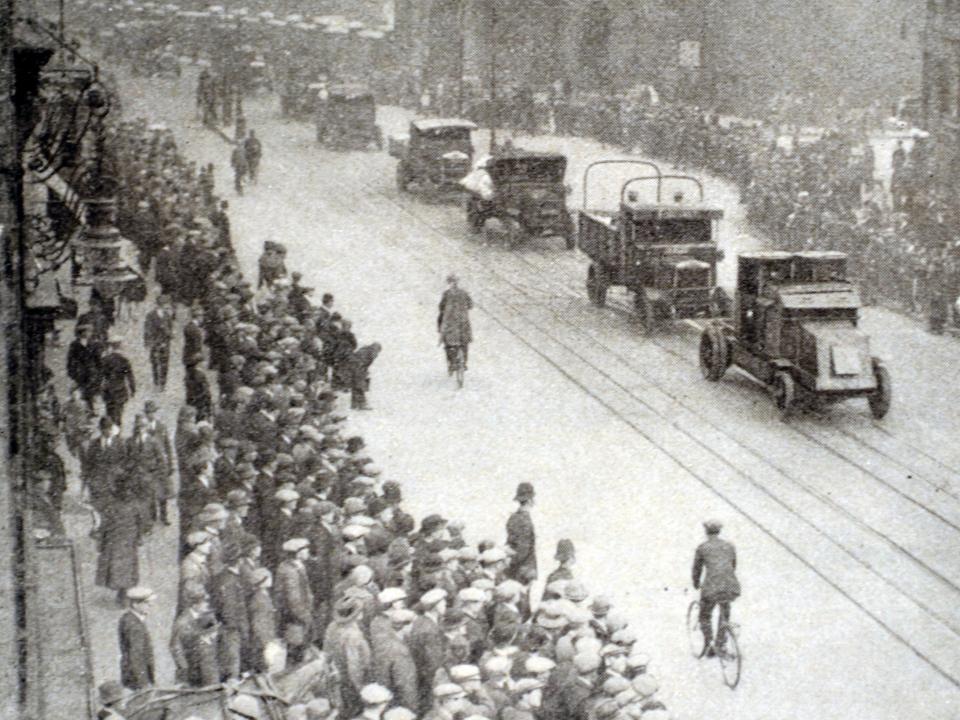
(136, 647)
(253, 151)
(238, 160)
(157, 333)
(118, 383)
(714, 573)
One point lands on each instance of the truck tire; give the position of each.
(714, 353)
(596, 286)
(784, 393)
(881, 398)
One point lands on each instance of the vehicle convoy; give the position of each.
(517, 195)
(435, 156)
(666, 254)
(346, 119)
(794, 328)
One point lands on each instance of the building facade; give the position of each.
(940, 95)
(735, 54)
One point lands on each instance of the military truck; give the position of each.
(795, 329)
(665, 253)
(435, 156)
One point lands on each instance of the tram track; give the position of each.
(677, 427)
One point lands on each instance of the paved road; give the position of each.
(847, 528)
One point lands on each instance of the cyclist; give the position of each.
(453, 322)
(714, 573)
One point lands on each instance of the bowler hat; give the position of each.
(565, 550)
(524, 491)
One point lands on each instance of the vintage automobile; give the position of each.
(347, 119)
(666, 254)
(435, 156)
(517, 195)
(794, 328)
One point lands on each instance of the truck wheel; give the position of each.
(569, 235)
(881, 397)
(714, 354)
(474, 219)
(646, 311)
(596, 286)
(784, 393)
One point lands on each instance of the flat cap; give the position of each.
(525, 685)
(390, 595)
(140, 593)
(713, 526)
(374, 694)
(354, 531)
(399, 713)
(645, 685)
(471, 594)
(586, 662)
(494, 554)
(538, 664)
(286, 495)
(432, 597)
(448, 690)
(464, 673)
(295, 545)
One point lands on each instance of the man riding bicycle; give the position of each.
(453, 322)
(714, 573)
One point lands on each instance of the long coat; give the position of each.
(714, 570)
(197, 392)
(263, 626)
(293, 596)
(136, 652)
(454, 320)
(157, 329)
(350, 653)
(521, 538)
(83, 366)
(428, 647)
(394, 668)
(147, 467)
(102, 467)
(122, 524)
(117, 375)
(159, 432)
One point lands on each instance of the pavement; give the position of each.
(847, 529)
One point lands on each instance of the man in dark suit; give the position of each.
(136, 646)
(103, 463)
(197, 389)
(118, 382)
(714, 574)
(157, 333)
(83, 365)
(193, 337)
(228, 594)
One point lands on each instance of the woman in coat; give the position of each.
(122, 525)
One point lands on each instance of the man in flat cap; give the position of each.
(393, 663)
(448, 701)
(521, 538)
(136, 646)
(714, 574)
(350, 653)
(375, 699)
(228, 596)
(428, 643)
(294, 598)
(157, 334)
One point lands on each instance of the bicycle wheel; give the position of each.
(460, 367)
(731, 661)
(693, 630)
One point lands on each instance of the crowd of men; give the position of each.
(295, 551)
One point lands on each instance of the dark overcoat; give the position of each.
(136, 652)
(122, 524)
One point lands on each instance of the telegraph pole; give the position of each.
(493, 76)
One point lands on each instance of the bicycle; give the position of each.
(731, 659)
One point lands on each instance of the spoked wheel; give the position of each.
(880, 398)
(731, 662)
(714, 354)
(596, 286)
(460, 367)
(694, 636)
(784, 393)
